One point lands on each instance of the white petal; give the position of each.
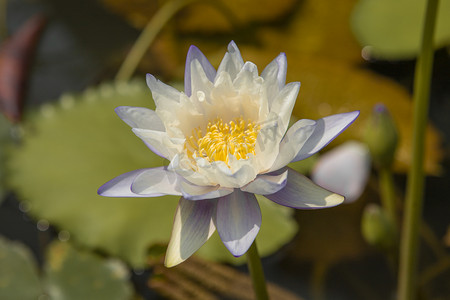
(156, 181)
(268, 143)
(159, 142)
(292, 142)
(239, 173)
(192, 227)
(199, 80)
(344, 169)
(238, 221)
(162, 92)
(121, 186)
(300, 192)
(196, 192)
(140, 117)
(284, 102)
(326, 130)
(275, 76)
(232, 62)
(266, 184)
(195, 54)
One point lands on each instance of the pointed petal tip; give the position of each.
(232, 47)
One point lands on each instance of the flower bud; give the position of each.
(381, 136)
(377, 229)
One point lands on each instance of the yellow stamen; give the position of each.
(236, 137)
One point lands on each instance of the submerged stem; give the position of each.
(407, 281)
(257, 273)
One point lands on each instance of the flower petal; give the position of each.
(162, 92)
(121, 186)
(284, 102)
(300, 192)
(192, 227)
(344, 169)
(156, 181)
(159, 142)
(292, 142)
(266, 184)
(232, 62)
(191, 191)
(140, 117)
(195, 54)
(275, 76)
(238, 221)
(325, 131)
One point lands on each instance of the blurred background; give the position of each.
(60, 140)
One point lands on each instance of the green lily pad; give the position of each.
(72, 274)
(393, 29)
(18, 273)
(72, 147)
(68, 274)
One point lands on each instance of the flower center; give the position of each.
(236, 137)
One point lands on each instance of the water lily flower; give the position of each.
(227, 139)
(344, 170)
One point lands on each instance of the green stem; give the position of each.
(257, 273)
(151, 30)
(319, 274)
(388, 194)
(407, 281)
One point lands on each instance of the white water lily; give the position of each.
(226, 138)
(344, 170)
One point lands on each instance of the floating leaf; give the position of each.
(393, 29)
(70, 149)
(15, 57)
(72, 274)
(18, 272)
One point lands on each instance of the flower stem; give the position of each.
(407, 281)
(151, 30)
(388, 193)
(257, 273)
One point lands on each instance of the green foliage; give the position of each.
(393, 29)
(72, 274)
(68, 274)
(18, 272)
(71, 148)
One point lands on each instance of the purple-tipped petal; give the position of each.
(325, 131)
(232, 62)
(192, 227)
(156, 181)
(191, 191)
(302, 193)
(345, 170)
(140, 117)
(195, 54)
(121, 186)
(266, 184)
(238, 221)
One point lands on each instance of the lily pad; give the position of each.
(18, 273)
(73, 274)
(393, 29)
(68, 274)
(72, 147)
